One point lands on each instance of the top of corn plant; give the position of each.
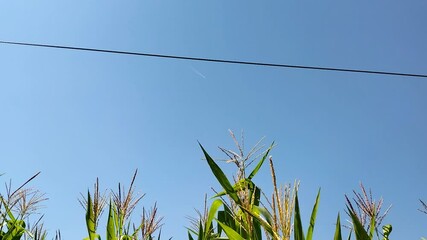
(281, 205)
(244, 216)
(120, 207)
(16, 208)
(366, 214)
(242, 195)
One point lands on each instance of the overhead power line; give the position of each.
(263, 64)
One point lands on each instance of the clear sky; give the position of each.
(76, 115)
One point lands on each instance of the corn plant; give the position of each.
(366, 216)
(235, 218)
(244, 216)
(120, 208)
(16, 208)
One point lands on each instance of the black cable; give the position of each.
(217, 60)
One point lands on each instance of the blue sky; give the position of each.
(77, 115)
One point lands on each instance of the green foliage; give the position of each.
(298, 229)
(15, 227)
(90, 220)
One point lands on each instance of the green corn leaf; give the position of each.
(338, 235)
(200, 235)
(313, 217)
(221, 218)
(263, 212)
(298, 230)
(257, 232)
(158, 237)
(9, 213)
(220, 176)
(90, 220)
(233, 235)
(258, 166)
(16, 228)
(111, 231)
(257, 197)
(256, 227)
(189, 236)
(256, 213)
(372, 227)
(349, 235)
(226, 217)
(359, 231)
(386, 231)
(212, 211)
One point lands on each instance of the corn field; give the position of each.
(239, 210)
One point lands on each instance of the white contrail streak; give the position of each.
(197, 72)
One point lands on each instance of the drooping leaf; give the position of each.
(232, 235)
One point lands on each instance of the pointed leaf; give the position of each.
(298, 230)
(359, 231)
(220, 176)
(313, 217)
(258, 166)
(200, 236)
(90, 219)
(111, 231)
(189, 236)
(338, 235)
